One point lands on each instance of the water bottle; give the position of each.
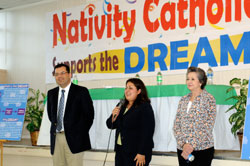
(190, 158)
(137, 76)
(210, 75)
(75, 80)
(159, 78)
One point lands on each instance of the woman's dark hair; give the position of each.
(201, 75)
(143, 96)
(61, 65)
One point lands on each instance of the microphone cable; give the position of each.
(122, 101)
(108, 144)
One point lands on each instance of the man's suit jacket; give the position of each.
(136, 127)
(78, 117)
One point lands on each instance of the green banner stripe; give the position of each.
(218, 91)
(107, 93)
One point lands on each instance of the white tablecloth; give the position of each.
(165, 110)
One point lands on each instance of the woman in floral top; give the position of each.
(194, 121)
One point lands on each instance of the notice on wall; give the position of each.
(245, 153)
(13, 100)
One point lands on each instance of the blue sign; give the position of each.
(13, 100)
(245, 154)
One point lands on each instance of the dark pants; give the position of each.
(202, 158)
(123, 158)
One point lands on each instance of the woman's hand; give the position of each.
(187, 149)
(115, 113)
(140, 160)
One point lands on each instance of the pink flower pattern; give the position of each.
(196, 125)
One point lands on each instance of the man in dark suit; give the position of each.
(71, 113)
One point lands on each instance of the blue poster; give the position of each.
(13, 100)
(245, 153)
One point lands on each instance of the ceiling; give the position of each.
(6, 4)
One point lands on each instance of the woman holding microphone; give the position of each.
(134, 123)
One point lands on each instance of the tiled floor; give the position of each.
(226, 154)
(26, 155)
(219, 154)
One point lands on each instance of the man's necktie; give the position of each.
(60, 112)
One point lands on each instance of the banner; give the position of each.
(13, 100)
(116, 39)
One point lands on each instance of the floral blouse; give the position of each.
(196, 125)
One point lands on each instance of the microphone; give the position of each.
(122, 101)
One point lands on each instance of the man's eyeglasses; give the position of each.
(62, 73)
